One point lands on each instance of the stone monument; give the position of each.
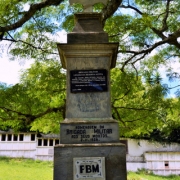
(89, 146)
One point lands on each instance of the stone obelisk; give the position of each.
(89, 146)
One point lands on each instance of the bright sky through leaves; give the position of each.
(10, 70)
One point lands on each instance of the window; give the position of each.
(33, 137)
(3, 137)
(9, 137)
(51, 142)
(39, 142)
(166, 164)
(56, 141)
(15, 138)
(21, 137)
(45, 142)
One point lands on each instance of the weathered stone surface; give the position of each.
(89, 131)
(114, 153)
(88, 29)
(70, 53)
(87, 23)
(74, 38)
(88, 57)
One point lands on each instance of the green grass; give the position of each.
(27, 169)
(146, 175)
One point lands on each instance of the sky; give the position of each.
(171, 84)
(10, 70)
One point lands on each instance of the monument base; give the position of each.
(78, 131)
(111, 156)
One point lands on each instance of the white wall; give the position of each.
(45, 153)
(134, 166)
(161, 159)
(138, 147)
(26, 147)
(20, 148)
(161, 162)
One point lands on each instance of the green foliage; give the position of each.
(139, 97)
(37, 103)
(138, 107)
(10, 11)
(117, 27)
(68, 24)
(41, 91)
(98, 7)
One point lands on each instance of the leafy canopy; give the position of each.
(148, 33)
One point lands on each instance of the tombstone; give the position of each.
(89, 137)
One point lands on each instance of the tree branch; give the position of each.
(31, 45)
(29, 14)
(164, 21)
(109, 10)
(139, 119)
(136, 109)
(174, 87)
(29, 118)
(137, 74)
(118, 115)
(131, 7)
(171, 39)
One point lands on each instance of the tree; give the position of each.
(139, 107)
(147, 32)
(37, 102)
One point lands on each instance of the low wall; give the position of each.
(135, 166)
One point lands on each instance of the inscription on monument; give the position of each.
(89, 167)
(88, 80)
(89, 133)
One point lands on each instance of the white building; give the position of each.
(161, 159)
(28, 145)
(141, 154)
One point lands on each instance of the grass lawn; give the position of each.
(144, 175)
(27, 169)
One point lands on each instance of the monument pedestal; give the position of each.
(89, 136)
(114, 167)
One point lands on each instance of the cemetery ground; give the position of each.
(28, 169)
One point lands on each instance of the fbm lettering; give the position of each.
(89, 169)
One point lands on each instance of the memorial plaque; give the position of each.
(89, 133)
(89, 168)
(88, 80)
